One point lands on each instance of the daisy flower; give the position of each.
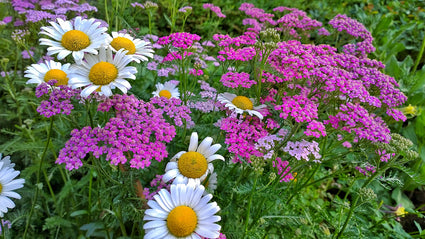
(240, 104)
(138, 49)
(210, 183)
(8, 184)
(182, 213)
(50, 70)
(77, 37)
(103, 72)
(167, 90)
(192, 166)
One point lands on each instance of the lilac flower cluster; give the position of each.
(182, 40)
(303, 150)
(138, 131)
(283, 170)
(235, 79)
(301, 108)
(357, 30)
(50, 10)
(59, 101)
(209, 102)
(241, 136)
(214, 9)
(266, 144)
(174, 109)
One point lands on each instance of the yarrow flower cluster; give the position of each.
(235, 79)
(251, 128)
(182, 40)
(303, 150)
(59, 101)
(138, 128)
(215, 9)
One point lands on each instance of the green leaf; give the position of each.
(417, 178)
(78, 213)
(401, 198)
(53, 222)
(91, 228)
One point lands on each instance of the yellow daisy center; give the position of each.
(243, 103)
(165, 93)
(122, 42)
(1, 188)
(182, 221)
(56, 74)
(75, 40)
(103, 73)
(192, 164)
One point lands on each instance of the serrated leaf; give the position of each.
(417, 178)
(53, 222)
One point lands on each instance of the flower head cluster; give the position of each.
(356, 29)
(316, 129)
(208, 102)
(366, 170)
(59, 101)
(158, 184)
(182, 40)
(8, 184)
(283, 170)
(297, 20)
(215, 9)
(355, 118)
(257, 13)
(235, 79)
(138, 130)
(241, 136)
(299, 107)
(303, 150)
(174, 109)
(50, 10)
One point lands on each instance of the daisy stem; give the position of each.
(106, 12)
(49, 133)
(249, 205)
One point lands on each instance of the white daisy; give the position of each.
(138, 49)
(182, 213)
(240, 104)
(103, 72)
(167, 90)
(50, 70)
(77, 37)
(211, 184)
(192, 166)
(7, 185)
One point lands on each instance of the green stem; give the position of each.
(356, 199)
(50, 187)
(106, 12)
(304, 185)
(419, 57)
(249, 205)
(90, 190)
(49, 134)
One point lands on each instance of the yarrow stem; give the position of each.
(49, 134)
